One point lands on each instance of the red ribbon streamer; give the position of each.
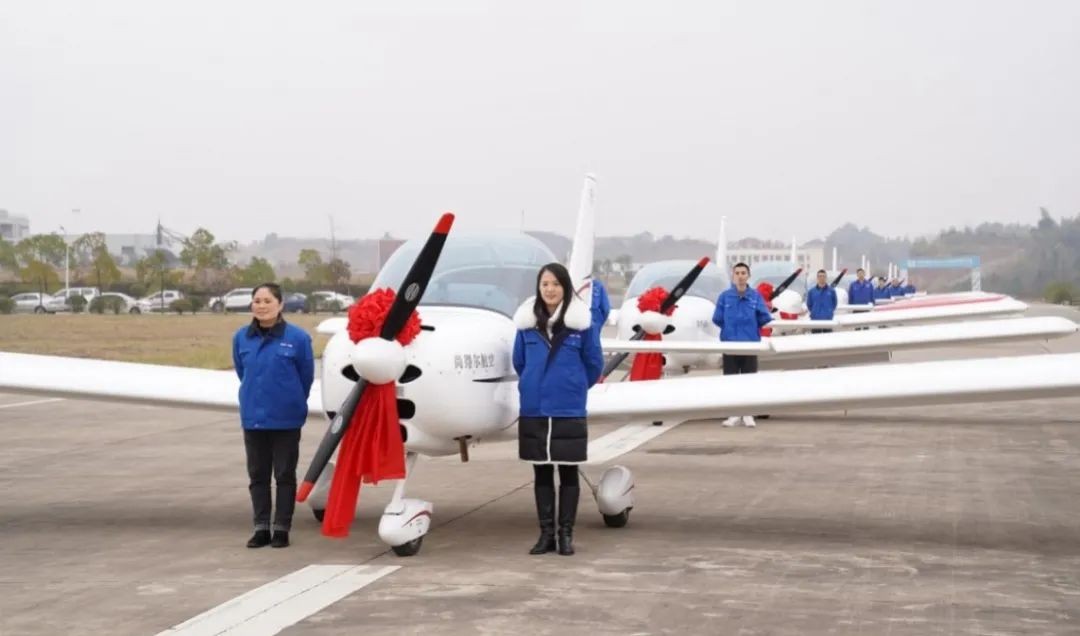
(647, 366)
(371, 451)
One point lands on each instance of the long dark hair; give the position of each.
(540, 309)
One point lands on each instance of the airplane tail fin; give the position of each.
(581, 252)
(721, 246)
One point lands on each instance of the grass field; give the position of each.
(202, 340)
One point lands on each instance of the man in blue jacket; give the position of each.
(600, 307)
(896, 290)
(740, 313)
(861, 292)
(821, 300)
(881, 292)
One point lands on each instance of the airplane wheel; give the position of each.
(319, 514)
(617, 521)
(408, 549)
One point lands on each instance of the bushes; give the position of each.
(182, 305)
(1060, 293)
(110, 304)
(7, 305)
(77, 303)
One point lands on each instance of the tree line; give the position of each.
(203, 267)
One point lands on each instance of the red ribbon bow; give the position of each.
(650, 366)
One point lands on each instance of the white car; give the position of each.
(238, 299)
(159, 301)
(31, 302)
(322, 300)
(60, 301)
(128, 305)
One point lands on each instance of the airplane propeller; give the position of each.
(673, 297)
(405, 301)
(838, 278)
(784, 285)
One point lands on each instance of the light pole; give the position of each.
(67, 263)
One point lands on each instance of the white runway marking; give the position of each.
(625, 439)
(281, 603)
(30, 403)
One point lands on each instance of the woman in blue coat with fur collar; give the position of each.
(557, 358)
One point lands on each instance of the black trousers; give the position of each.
(272, 452)
(738, 365)
(545, 475)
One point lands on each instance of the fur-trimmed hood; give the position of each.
(577, 318)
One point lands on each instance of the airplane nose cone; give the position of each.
(653, 322)
(378, 361)
(788, 301)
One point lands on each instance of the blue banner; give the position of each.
(960, 262)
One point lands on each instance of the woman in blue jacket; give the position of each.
(557, 359)
(276, 367)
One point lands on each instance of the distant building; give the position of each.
(13, 227)
(129, 248)
(810, 257)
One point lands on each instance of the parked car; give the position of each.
(128, 305)
(61, 300)
(159, 301)
(325, 301)
(238, 299)
(31, 302)
(295, 302)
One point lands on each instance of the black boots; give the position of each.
(259, 539)
(568, 500)
(545, 511)
(262, 538)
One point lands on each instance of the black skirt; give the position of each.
(553, 440)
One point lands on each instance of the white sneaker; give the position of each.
(731, 421)
(748, 421)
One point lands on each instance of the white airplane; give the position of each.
(691, 340)
(457, 386)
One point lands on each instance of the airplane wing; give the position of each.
(868, 341)
(909, 384)
(610, 345)
(127, 382)
(901, 313)
(786, 324)
(848, 308)
(331, 326)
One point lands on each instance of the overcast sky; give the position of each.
(789, 117)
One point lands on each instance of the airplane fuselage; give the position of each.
(692, 321)
(460, 383)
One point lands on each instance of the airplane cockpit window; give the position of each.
(776, 273)
(494, 272)
(667, 274)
